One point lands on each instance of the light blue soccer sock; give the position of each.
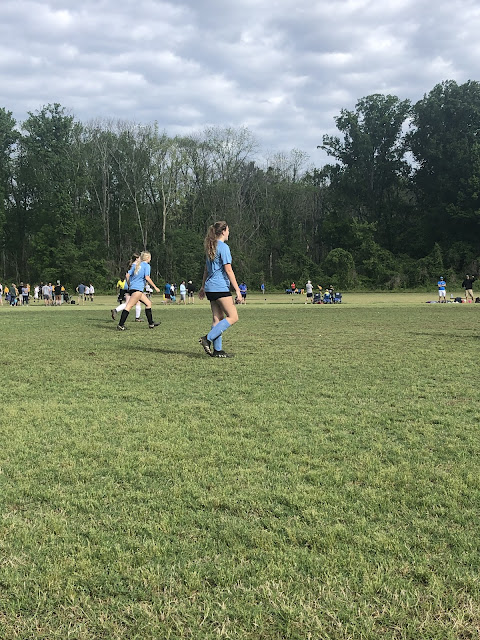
(217, 342)
(218, 329)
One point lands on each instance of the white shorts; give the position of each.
(442, 294)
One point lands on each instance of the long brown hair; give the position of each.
(210, 243)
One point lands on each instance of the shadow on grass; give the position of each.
(112, 327)
(168, 352)
(448, 334)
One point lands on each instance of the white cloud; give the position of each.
(284, 69)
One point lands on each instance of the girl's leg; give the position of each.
(148, 310)
(138, 311)
(217, 316)
(121, 306)
(134, 298)
(223, 308)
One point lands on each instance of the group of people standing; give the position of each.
(467, 285)
(85, 292)
(51, 295)
(14, 295)
(186, 290)
(217, 279)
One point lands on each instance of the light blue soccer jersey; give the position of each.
(217, 280)
(441, 285)
(137, 282)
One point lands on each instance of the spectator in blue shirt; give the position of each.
(442, 290)
(243, 291)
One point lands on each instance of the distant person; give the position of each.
(190, 292)
(293, 287)
(58, 294)
(13, 295)
(218, 275)
(46, 295)
(36, 293)
(262, 288)
(92, 292)
(442, 290)
(25, 296)
(81, 293)
(467, 284)
(183, 292)
(167, 292)
(243, 291)
(309, 290)
(122, 288)
(1, 295)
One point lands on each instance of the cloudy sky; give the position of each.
(282, 68)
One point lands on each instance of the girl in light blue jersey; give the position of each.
(137, 276)
(217, 278)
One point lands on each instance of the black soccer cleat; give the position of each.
(205, 342)
(121, 327)
(114, 313)
(153, 325)
(222, 354)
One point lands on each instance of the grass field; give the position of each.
(323, 484)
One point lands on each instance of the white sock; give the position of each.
(138, 310)
(121, 307)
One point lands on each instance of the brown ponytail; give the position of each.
(211, 238)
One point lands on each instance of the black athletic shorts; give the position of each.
(132, 291)
(215, 295)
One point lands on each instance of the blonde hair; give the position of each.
(214, 231)
(143, 256)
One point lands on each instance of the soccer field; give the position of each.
(322, 484)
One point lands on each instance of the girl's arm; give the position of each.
(233, 280)
(201, 293)
(150, 281)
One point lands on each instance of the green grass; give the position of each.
(323, 484)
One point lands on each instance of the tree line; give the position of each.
(397, 206)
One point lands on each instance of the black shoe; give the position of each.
(138, 320)
(153, 325)
(205, 342)
(114, 313)
(222, 354)
(121, 327)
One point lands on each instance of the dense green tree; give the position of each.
(8, 139)
(372, 170)
(44, 200)
(77, 200)
(445, 142)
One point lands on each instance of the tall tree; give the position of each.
(445, 142)
(8, 139)
(370, 176)
(45, 193)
